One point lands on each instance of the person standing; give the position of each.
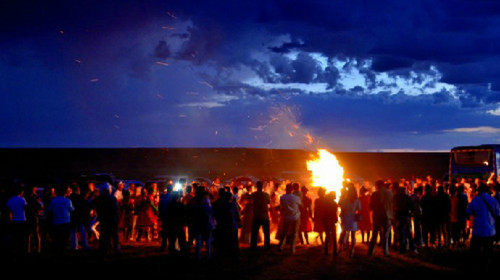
(17, 208)
(60, 209)
(107, 215)
(260, 202)
(326, 214)
(350, 206)
(290, 213)
(163, 207)
(365, 225)
(381, 205)
(484, 208)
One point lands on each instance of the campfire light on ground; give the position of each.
(326, 171)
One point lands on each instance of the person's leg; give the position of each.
(267, 234)
(254, 233)
(385, 237)
(353, 242)
(295, 229)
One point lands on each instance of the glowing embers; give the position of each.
(326, 171)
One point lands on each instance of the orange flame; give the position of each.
(326, 171)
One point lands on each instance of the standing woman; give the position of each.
(146, 215)
(350, 206)
(365, 225)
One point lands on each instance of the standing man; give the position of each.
(261, 201)
(60, 209)
(290, 213)
(107, 215)
(381, 205)
(484, 208)
(17, 208)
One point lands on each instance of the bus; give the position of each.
(480, 161)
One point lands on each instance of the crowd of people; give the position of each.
(403, 215)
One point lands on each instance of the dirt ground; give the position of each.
(144, 260)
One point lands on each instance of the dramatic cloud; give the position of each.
(351, 75)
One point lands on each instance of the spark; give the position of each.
(161, 63)
(192, 93)
(78, 61)
(164, 27)
(170, 14)
(216, 132)
(94, 80)
(290, 133)
(159, 96)
(117, 116)
(207, 84)
(61, 31)
(309, 138)
(182, 116)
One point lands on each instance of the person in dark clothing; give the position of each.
(163, 215)
(463, 202)
(326, 214)
(443, 208)
(226, 232)
(33, 211)
(107, 215)
(381, 204)
(175, 221)
(403, 208)
(202, 220)
(428, 204)
(80, 219)
(260, 203)
(417, 216)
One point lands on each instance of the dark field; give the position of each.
(143, 164)
(145, 261)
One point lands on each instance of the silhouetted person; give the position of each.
(381, 204)
(226, 232)
(260, 202)
(107, 215)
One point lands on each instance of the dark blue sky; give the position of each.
(345, 75)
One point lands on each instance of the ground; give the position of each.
(308, 262)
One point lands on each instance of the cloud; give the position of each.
(479, 129)
(495, 112)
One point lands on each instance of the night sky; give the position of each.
(345, 75)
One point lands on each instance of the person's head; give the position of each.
(289, 188)
(304, 190)
(379, 184)
(296, 187)
(482, 188)
(428, 190)
(63, 190)
(332, 195)
(363, 191)
(91, 186)
(461, 189)
(351, 192)
(453, 190)
(235, 189)
(120, 186)
(259, 185)
(106, 189)
(222, 191)
(170, 188)
(321, 192)
(419, 190)
(440, 190)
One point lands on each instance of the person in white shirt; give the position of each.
(290, 213)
